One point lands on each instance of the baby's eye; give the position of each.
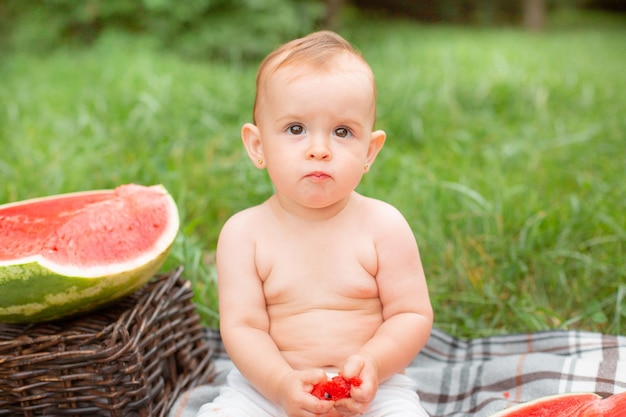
(343, 132)
(295, 129)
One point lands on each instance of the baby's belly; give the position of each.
(322, 338)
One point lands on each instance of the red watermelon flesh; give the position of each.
(336, 388)
(569, 405)
(85, 230)
(612, 406)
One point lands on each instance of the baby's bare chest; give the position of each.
(318, 270)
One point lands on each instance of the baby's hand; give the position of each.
(295, 394)
(364, 368)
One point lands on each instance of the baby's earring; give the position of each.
(366, 167)
(259, 162)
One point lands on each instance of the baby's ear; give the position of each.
(377, 140)
(251, 138)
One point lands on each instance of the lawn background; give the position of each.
(506, 153)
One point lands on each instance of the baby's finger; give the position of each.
(348, 406)
(318, 407)
(352, 368)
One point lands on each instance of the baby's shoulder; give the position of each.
(374, 207)
(246, 219)
(381, 216)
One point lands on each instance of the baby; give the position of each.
(318, 279)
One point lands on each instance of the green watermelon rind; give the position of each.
(41, 295)
(35, 289)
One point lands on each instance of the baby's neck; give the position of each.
(288, 210)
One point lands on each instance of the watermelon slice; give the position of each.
(569, 405)
(69, 253)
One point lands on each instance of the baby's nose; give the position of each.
(319, 148)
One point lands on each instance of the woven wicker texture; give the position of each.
(132, 358)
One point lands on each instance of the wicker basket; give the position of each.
(132, 358)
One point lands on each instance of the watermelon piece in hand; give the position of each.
(336, 388)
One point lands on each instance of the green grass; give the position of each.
(506, 152)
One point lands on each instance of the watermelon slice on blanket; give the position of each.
(69, 253)
(569, 405)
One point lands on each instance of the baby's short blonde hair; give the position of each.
(317, 51)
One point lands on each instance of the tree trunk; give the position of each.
(534, 14)
(333, 7)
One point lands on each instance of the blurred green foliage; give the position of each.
(235, 30)
(230, 30)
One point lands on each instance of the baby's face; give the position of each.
(315, 129)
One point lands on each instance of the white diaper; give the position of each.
(396, 397)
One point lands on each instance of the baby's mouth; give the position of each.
(318, 176)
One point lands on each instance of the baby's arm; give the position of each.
(244, 324)
(407, 311)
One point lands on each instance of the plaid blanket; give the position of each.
(478, 377)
